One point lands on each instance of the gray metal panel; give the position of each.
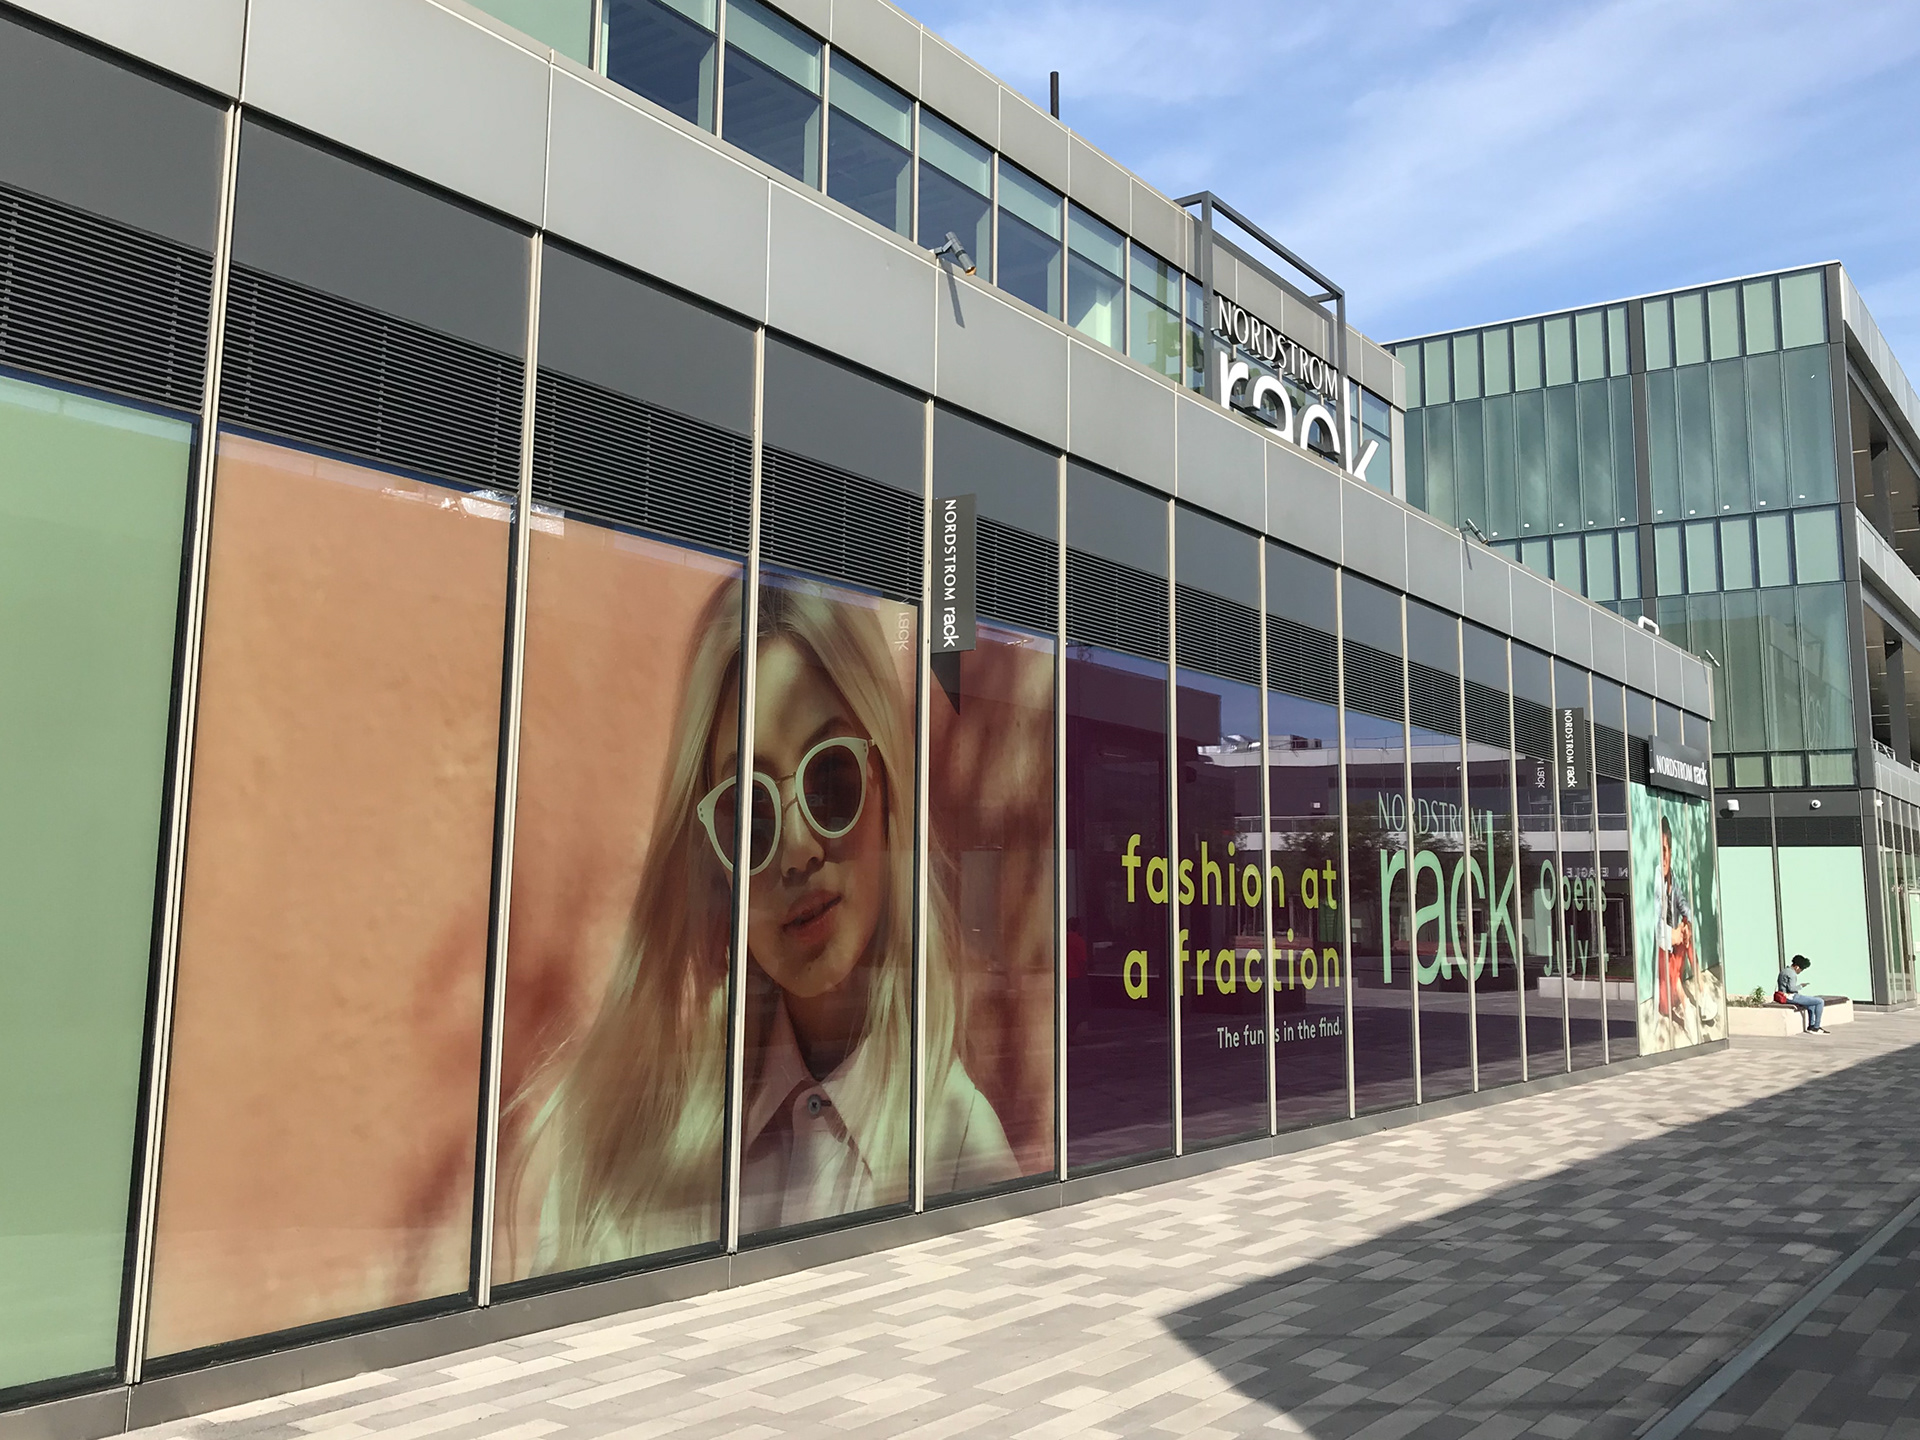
(1668, 684)
(880, 38)
(1017, 482)
(1212, 555)
(1158, 223)
(1119, 418)
(1100, 185)
(1376, 367)
(1610, 647)
(1033, 139)
(1434, 563)
(835, 283)
(599, 325)
(99, 136)
(1307, 325)
(1303, 502)
(200, 39)
(1112, 518)
(1697, 688)
(1641, 673)
(311, 215)
(1399, 395)
(410, 84)
(1572, 628)
(816, 15)
(635, 188)
(1486, 590)
(959, 89)
(1001, 362)
(1373, 535)
(837, 415)
(1532, 619)
(1222, 463)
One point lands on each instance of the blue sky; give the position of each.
(1458, 161)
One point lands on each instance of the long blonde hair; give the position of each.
(636, 1121)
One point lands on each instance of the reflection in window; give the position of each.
(1492, 903)
(1439, 838)
(566, 25)
(1539, 883)
(870, 147)
(1155, 330)
(1030, 250)
(1095, 264)
(1196, 335)
(773, 90)
(664, 50)
(956, 191)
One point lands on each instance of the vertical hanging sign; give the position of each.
(1573, 747)
(955, 574)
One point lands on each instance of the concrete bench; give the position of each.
(1773, 1019)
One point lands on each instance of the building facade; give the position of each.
(436, 445)
(1734, 462)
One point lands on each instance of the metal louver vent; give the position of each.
(1116, 605)
(1301, 661)
(828, 521)
(311, 366)
(1215, 635)
(1018, 576)
(1636, 759)
(1816, 829)
(90, 300)
(1609, 751)
(1532, 729)
(1487, 715)
(608, 456)
(1373, 681)
(1433, 699)
(1746, 830)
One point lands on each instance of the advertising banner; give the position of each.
(1678, 980)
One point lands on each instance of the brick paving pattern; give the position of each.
(1564, 1264)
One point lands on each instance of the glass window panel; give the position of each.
(1617, 353)
(1657, 317)
(1803, 309)
(1580, 903)
(1626, 491)
(1440, 847)
(1767, 430)
(1663, 443)
(1756, 304)
(1732, 473)
(1441, 498)
(1503, 498)
(1558, 336)
(1566, 562)
(1498, 361)
(1530, 459)
(1492, 904)
(1154, 332)
(93, 499)
(1438, 371)
(1526, 356)
(1469, 464)
(1723, 323)
(1736, 554)
(664, 52)
(1694, 393)
(1810, 461)
(1539, 881)
(1466, 367)
(1743, 667)
(1590, 345)
(1689, 329)
(955, 189)
(1030, 252)
(1749, 772)
(1668, 568)
(1703, 573)
(1563, 457)
(773, 90)
(990, 787)
(1601, 584)
(332, 973)
(566, 25)
(1771, 549)
(870, 147)
(1197, 339)
(1596, 504)
(1416, 461)
(1786, 718)
(1821, 630)
(1789, 771)
(1409, 358)
(1629, 564)
(1537, 556)
(1096, 258)
(617, 709)
(1816, 546)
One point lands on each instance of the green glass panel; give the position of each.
(1767, 430)
(1530, 459)
(1617, 353)
(1566, 562)
(1749, 772)
(1750, 936)
(1434, 366)
(1537, 556)
(1440, 498)
(1416, 433)
(1563, 458)
(1689, 330)
(1503, 495)
(1810, 468)
(776, 42)
(1696, 441)
(1789, 771)
(1629, 564)
(1498, 359)
(1668, 570)
(1409, 358)
(1831, 768)
(1596, 454)
(959, 157)
(1772, 553)
(1657, 317)
(1756, 305)
(1746, 711)
(1602, 584)
(1557, 335)
(1823, 913)
(874, 103)
(1466, 367)
(1703, 571)
(92, 503)
(1733, 477)
(1469, 464)
(564, 24)
(1816, 546)
(1026, 198)
(1590, 345)
(1626, 493)
(1526, 356)
(1786, 725)
(1723, 323)
(1803, 309)
(1663, 444)
(1736, 554)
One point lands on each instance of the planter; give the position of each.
(1783, 1019)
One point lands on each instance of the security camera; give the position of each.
(958, 251)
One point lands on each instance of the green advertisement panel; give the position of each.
(1678, 978)
(92, 502)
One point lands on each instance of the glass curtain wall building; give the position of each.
(493, 815)
(1732, 462)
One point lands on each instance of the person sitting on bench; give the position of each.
(1815, 1007)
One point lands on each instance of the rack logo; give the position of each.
(1265, 398)
(1678, 767)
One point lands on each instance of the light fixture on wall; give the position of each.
(1813, 804)
(958, 251)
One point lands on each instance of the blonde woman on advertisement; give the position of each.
(623, 1154)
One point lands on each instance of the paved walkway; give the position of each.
(1568, 1264)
